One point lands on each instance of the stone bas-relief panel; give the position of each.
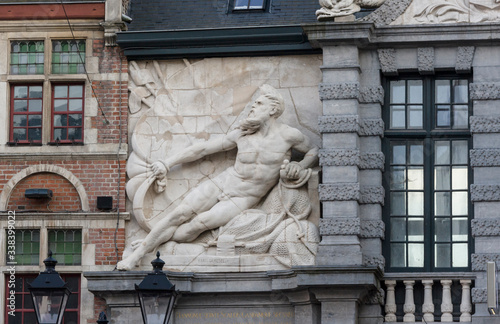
(450, 11)
(218, 171)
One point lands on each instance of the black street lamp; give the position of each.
(50, 294)
(156, 295)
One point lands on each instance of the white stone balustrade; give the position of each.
(408, 313)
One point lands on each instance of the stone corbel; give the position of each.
(110, 30)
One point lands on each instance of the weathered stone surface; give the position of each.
(374, 160)
(339, 192)
(372, 229)
(371, 127)
(374, 94)
(332, 157)
(485, 192)
(388, 12)
(425, 58)
(387, 58)
(339, 124)
(485, 157)
(485, 227)
(374, 297)
(372, 195)
(339, 226)
(490, 124)
(479, 261)
(465, 56)
(338, 91)
(484, 91)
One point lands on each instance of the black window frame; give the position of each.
(429, 134)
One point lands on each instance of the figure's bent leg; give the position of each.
(217, 216)
(198, 200)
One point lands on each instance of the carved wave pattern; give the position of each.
(461, 11)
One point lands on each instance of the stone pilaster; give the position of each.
(340, 158)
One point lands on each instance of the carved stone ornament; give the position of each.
(485, 192)
(374, 260)
(339, 157)
(339, 226)
(484, 124)
(450, 11)
(328, 91)
(485, 91)
(485, 157)
(479, 261)
(425, 58)
(337, 8)
(479, 295)
(211, 183)
(387, 58)
(372, 195)
(339, 192)
(372, 229)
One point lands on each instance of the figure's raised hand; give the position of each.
(292, 169)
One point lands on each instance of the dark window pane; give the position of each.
(442, 204)
(20, 120)
(416, 154)
(443, 117)
(60, 120)
(442, 178)
(20, 105)
(398, 203)
(442, 255)
(442, 152)
(35, 120)
(60, 133)
(398, 178)
(35, 105)
(460, 152)
(398, 255)
(75, 120)
(415, 229)
(34, 134)
(19, 134)
(399, 154)
(398, 229)
(442, 229)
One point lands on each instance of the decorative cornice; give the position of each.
(484, 91)
(485, 192)
(465, 56)
(339, 192)
(329, 91)
(374, 94)
(372, 195)
(425, 58)
(387, 59)
(388, 12)
(479, 261)
(484, 124)
(333, 157)
(372, 229)
(370, 161)
(479, 295)
(339, 226)
(485, 227)
(371, 127)
(485, 157)
(338, 124)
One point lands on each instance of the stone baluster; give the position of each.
(409, 306)
(428, 305)
(446, 304)
(466, 306)
(390, 302)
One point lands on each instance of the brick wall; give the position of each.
(99, 178)
(104, 240)
(65, 197)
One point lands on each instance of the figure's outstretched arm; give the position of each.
(196, 152)
(304, 145)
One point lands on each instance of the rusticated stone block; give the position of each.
(374, 260)
(338, 157)
(371, 127)
(425, 58)
(338, 91)
(484, 124)
(339, 192)
(370, 161)
(373, 94)
(485, 157)
(484, 91)
(372, 195)
(338, 124)
(372, 229)
(485, 227)
(479, 295)
(465, 56)
(485, 192)
(339, 226)
(479, 261)
(388, 12)
(387, 58)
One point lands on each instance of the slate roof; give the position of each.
(185, 14)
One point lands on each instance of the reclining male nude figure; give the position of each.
(263, 144)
